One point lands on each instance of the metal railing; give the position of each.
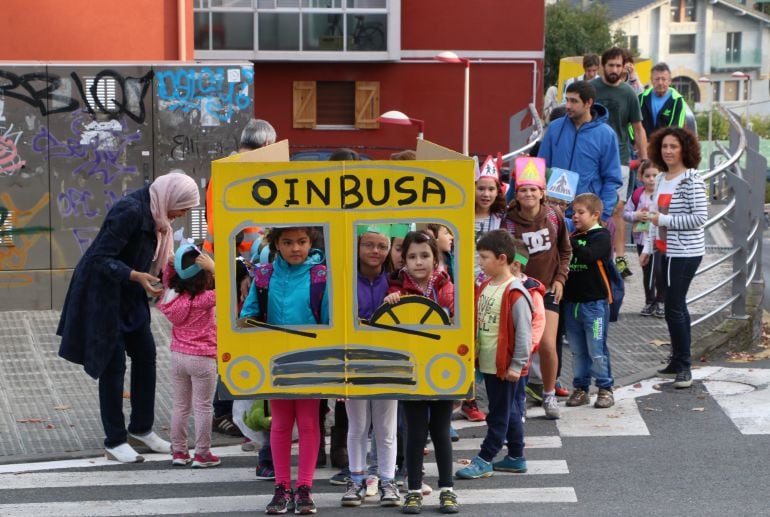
(742, 216)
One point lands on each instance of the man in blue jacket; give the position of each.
(583, 142)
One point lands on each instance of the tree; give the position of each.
(573, 31)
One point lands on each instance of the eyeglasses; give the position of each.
(370, 246)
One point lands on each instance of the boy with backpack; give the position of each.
(587, 294)
(506, 305)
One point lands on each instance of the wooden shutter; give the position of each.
(367, 104)
(304, 105)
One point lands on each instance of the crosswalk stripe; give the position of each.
(227, 504)
(182, 475)
(466, 444)
(735, 390)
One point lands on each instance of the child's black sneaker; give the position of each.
(412, 503)
(303, 501)
(448, 502)
(282, 502)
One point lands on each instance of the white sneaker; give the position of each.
(372, 486)
(151, 440)
(426, 489)
(123, 453)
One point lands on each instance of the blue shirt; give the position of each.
(658, 102)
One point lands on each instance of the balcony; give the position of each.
(746, 60)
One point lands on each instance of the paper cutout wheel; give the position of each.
(411, 310)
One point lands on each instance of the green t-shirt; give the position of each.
(490, 302)
(623, 107)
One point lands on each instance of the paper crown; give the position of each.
(382, 229)
(530, 171)
(399, 230)
(192, 269)
(488, 169)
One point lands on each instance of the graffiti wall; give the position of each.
(74, 139)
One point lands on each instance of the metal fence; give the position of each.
(737, 176)
(736, 179)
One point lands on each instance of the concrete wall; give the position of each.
(75, 138)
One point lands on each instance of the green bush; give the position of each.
(720, 128)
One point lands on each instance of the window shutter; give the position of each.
(304, 104)
(367, 104)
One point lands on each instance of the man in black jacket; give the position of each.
(661, 105)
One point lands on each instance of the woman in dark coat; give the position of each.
(106, 315)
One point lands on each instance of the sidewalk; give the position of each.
(49, 407)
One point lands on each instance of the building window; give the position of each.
(683, 11)
(632, 44)
(733, 47)
(687, 88)
(730, 91)
(336, 104)
(292, 25)
(682, 44)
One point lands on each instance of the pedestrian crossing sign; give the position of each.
(562, 184)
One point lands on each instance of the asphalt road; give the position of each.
(660, 451)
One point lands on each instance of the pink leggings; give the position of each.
(195, 378)
(284, 412)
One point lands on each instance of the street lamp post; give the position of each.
(401, 119)
(746, 77)
(451, 57)
(711, 109)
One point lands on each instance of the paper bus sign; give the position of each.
(411, 350)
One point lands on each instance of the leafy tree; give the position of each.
(573, 31)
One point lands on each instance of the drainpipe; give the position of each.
(181, 11)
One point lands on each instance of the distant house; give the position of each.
(708, 40)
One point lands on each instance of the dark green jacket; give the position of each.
(671, 113)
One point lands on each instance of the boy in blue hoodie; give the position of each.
(583, 142)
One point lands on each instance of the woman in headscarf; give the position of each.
(106, 313)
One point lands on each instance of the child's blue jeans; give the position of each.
(504, 418)
(586, 327)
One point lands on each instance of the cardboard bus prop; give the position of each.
(411, 350)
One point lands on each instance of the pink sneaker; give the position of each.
(180, 459)
(205, 460)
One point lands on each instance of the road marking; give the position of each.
(228, 504)
(181, 475)
(231, 451)
(743, 395)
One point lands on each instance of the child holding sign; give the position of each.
(289, 280)
(420, 276)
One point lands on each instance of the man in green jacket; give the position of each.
(661, 105)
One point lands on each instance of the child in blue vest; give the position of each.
(288, 301)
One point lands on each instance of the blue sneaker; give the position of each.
(477, 468)
(508, 464)
(453, 434)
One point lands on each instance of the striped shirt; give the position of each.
(687, 213)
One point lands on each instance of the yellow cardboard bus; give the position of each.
(409, 351)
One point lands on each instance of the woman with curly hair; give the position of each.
(678, 213)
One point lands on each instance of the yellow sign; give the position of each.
(571, 67)
(410, 350)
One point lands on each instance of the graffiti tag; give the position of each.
(206, 90)
(101, 154)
